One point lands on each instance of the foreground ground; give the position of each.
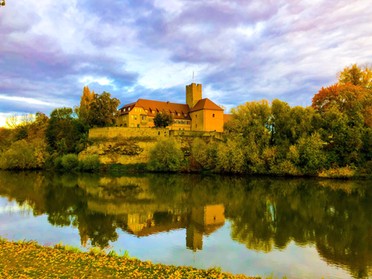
(30, 260)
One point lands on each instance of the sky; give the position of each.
(240, 51)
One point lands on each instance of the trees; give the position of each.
(162, 120)
(103, 110)
(97, 110)
(23, 155)
(204, 154)
(65, 133)
(356, 75)
(346, 117)
(85, 102)
(165, 156)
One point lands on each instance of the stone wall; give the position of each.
(123, 132)
(121, 145)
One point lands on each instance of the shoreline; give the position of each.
(27, 259)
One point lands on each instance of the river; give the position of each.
(298, 228)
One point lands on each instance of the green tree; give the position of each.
(166, 155)
(311, 156)
(99, 110)
(24, 155)
(65, 133)
(346, 117)
(230, 157)
(162, 120)
(203, 153)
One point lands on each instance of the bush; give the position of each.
(23, 155)
(205, 154)
(166, 155)
(69, 162)
(230, 157)
(344, 172)
(57, 163)
(89, 163)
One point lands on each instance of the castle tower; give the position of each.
(193, 94)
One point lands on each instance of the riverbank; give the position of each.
(30, 260)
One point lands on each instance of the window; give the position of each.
(213, 115)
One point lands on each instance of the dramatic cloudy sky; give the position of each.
(240, 50)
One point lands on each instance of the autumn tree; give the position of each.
(97, 110)
(346, 118)
(356, 75)
(85, 104)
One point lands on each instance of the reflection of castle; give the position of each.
(150, 219)
(203, 220)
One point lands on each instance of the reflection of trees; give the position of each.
(335, 220)
(264, 213)
(24, 187)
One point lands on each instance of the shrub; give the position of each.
(205, 154)
(166, 155)
(57, 163)
(23, 155)
(230, 157)
(90, 163)
(69, 162)
(344, 172)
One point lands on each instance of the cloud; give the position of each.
(240, 50)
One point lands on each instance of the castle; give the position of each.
(197, 114)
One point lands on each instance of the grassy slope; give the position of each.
(30, 260)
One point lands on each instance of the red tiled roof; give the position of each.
(205, 104)
(178, 111)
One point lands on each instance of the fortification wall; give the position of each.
(123, 132)
(122, 145)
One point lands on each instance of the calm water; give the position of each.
(294, 228)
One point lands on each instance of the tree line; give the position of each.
(54, 142)
(332, 137)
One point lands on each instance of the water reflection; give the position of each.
(264, 213)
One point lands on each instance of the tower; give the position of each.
(193, 94)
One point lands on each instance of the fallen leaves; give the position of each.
(30, 260)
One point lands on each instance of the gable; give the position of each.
(205, 104)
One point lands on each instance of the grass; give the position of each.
(30, 260)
